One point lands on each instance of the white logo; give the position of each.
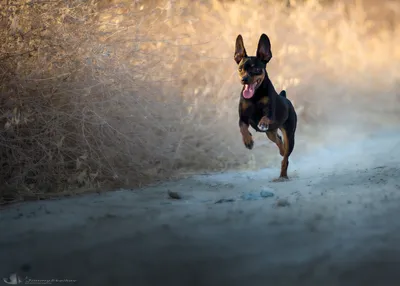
(14, 279)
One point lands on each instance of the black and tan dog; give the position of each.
(260, 106)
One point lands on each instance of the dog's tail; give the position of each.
(283, 93)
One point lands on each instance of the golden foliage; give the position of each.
(100, 93)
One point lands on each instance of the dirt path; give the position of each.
(335, 223)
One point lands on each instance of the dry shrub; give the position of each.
(122, 93)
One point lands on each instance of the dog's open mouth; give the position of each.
(249, 89)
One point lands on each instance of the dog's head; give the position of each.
(252, 69)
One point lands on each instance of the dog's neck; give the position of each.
(266, 87)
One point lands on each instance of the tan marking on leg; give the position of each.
(274, 137)
(285, 160)
(246, 136)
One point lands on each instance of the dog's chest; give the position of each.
(256, 110)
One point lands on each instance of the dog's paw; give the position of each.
(281, 179)
(263, 127)
(264, 123)
(248, 141)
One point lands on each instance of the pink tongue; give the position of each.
(248, 91)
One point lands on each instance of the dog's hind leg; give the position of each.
(288, 131)
(274, 137)
(288, 146)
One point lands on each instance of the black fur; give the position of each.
(266, 108)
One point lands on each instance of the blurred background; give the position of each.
(112, 93)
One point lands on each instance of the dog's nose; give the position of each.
(245, 79)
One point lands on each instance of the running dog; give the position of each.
(260, 106)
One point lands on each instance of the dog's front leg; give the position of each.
(268, 112)
(268, 117)
(264, 123)
(246, 135)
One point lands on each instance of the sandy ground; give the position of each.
(336, 222)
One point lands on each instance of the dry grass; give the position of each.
(122, 93)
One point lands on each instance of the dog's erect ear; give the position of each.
(240, 51)
(264, 49)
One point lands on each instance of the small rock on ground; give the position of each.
(174, 195)
(266, 194)
(220, 201)
(282, 203)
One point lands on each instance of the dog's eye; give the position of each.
(240, 69)
(258, 70)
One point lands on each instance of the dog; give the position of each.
(260, 106)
